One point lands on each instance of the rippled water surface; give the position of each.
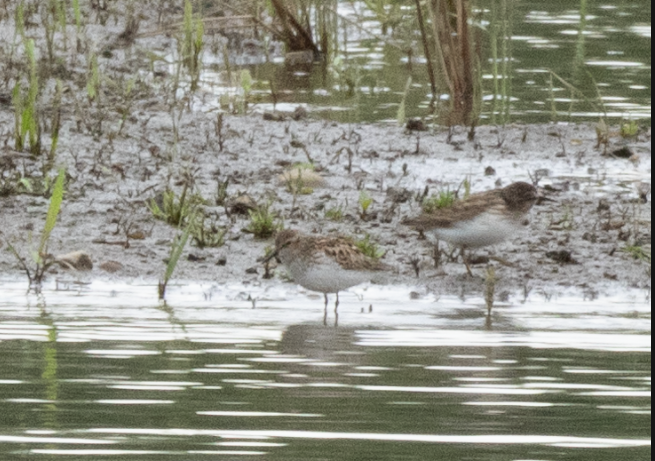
(602, 49)
(105, 372)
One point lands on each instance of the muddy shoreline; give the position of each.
(576, 242)
(145, 132)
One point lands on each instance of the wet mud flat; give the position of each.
(146, 131)
(579, 241)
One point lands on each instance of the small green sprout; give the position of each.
(365, 201)
(263, 222)
(629, 129)
(467, 187)
(444, 199)
(221, 192)
(369, 247)
(334, 213)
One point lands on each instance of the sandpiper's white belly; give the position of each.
(485, 229)
(326, 276)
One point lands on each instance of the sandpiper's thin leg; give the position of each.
(466, 262)
(488, 325)
(468, 269)
(336, 313)
(325, 309)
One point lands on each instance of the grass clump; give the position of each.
(206, 235)
(444, 199)
(335, 214)
(263, 222)
(629, 129)
(369, 247)
(640, 253)
(41, 258)
(175, 210)
(13, 182)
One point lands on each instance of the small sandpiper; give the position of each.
(325, 264)
(485, 218)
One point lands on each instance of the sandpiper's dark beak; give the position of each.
(272, 255)
(541, 198)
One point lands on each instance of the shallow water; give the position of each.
(103, 370)
(607, 58)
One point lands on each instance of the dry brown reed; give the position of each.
(456, 58)
(297, 37)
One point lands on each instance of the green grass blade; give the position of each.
(176, 252)
(53, 210)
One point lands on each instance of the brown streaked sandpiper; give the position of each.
(325, 264)
(485, 218)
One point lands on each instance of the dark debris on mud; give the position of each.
(577, 240)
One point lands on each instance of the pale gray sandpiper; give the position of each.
(325, 264)
(485, 218)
